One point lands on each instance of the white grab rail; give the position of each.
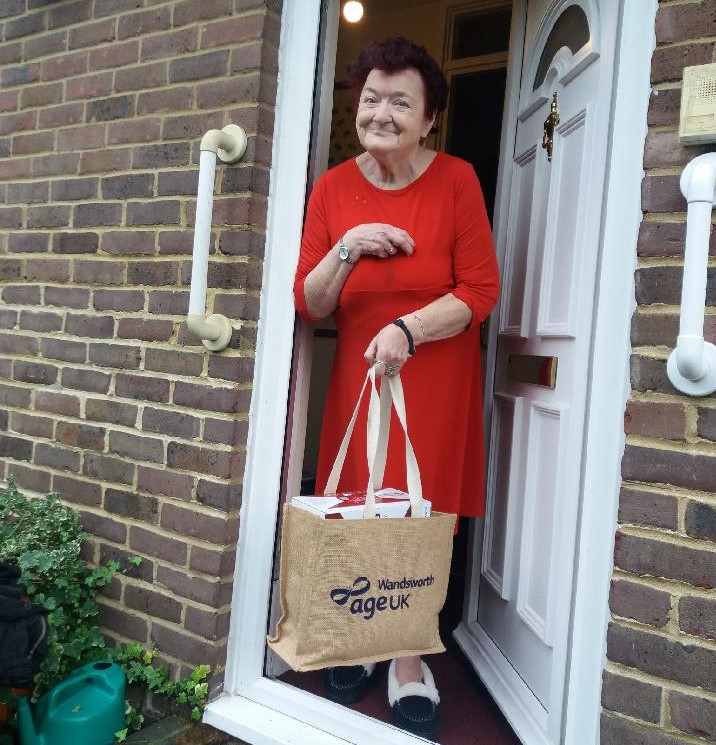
(692, 365)
(229, 144)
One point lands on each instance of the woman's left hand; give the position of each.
(388, 351)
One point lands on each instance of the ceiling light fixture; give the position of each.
(353, 11)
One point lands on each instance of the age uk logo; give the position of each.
(366, 605)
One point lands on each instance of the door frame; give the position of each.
(263, 711)
(607, 394)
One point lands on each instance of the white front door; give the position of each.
(524, 586)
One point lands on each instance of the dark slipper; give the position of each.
(346, 685)
(415, 705)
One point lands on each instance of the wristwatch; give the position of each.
(343, 253)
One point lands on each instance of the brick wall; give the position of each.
(104, 397)
(660, 680)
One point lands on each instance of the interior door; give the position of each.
(518, 634)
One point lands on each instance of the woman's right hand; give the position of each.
(377, 239)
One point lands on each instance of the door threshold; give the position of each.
(260, 725)
(528, 723)
(273, 713)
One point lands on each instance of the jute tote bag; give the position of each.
(356, 591)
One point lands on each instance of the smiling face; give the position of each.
(391, 115)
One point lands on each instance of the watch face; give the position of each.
(343, 252)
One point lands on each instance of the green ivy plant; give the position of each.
(138, 665)
(43, 538)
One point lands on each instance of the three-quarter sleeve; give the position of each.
(475, 268)
(315, 244)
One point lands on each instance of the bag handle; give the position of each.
(335, 474)
(377, 443)
(378, 426)
(391, 392)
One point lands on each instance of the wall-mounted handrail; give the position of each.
(692, 365)
(229, 144)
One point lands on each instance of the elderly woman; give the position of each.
(397, 246)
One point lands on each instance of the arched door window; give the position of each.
(572, 31)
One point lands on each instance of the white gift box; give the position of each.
(350, 505)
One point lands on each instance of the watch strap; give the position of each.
(400, 323)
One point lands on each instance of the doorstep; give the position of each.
(176, 731)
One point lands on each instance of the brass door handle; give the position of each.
(550, 123)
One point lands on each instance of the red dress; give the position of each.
(444, 212)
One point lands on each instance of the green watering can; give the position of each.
(85, 709)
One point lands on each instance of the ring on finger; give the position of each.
(389, 370)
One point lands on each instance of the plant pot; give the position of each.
(8, 699)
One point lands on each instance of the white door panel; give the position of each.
(516, 276)
(535, 595)
(537, 430)
(500, 523)
(563, 247)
